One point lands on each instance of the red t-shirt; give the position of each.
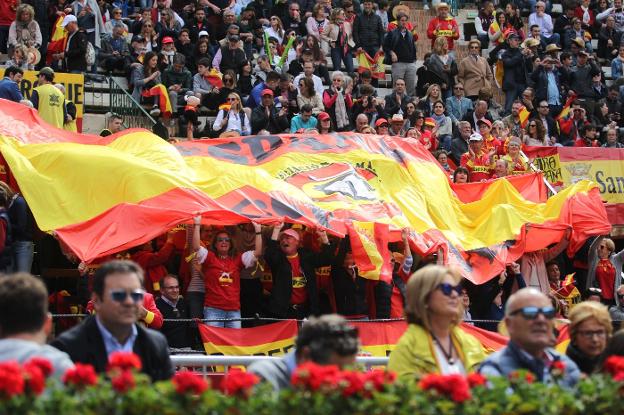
(299, 293)
(222, 279)
(479, 166)
(605, 274)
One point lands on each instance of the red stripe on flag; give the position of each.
(251, 336)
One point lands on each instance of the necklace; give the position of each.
(449, 354)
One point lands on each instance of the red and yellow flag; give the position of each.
(164, 103)
(524, 116)
(369, 245)
(270, 340)
(101, 195)
(57, 40)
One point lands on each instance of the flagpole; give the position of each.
(546, 182)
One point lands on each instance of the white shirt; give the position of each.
(234, 122)
(445, 367)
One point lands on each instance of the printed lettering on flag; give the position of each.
(275, 339)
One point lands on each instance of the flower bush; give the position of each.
(27, 389)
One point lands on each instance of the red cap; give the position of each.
(167, 39)
(380, 122)
(484, 121)
(266, 91)
(291, 232)
(430, 122)
(322, 116)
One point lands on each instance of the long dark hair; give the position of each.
(147, 71)
(309, 84)
(231, 251)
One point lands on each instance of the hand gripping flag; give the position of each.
(58, 40)
(101, 195)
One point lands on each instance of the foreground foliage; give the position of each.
(26, 389)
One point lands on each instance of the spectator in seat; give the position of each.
(184, 46)
(294, 20)
(304, 120)
(144, 16)
(443, 25)
(458, 105)
(178, 80)
(473, 71)
(25, 29)
(586, 15)
(617, 64)
(174, 307)
(459, 144)
(400, 46)
(74, 57)
(618, 14)
(605, 266)
(551, 130)
(564, 21)
(482, 23)
(338, 102)
(117, 295)
(266, 117)
(582, 74)
(308, 72)
(230, 56)
(144, 78)
(461, 175)
(515, 62)
(433, 342)
(326, 340)
(150, 35)
(168, 25)
(590, 330)
(609, 40)
(368, 31)
(295, 289)
(544, 21)
(517, 163)
(232, 121)
(116, 20)
(578, 32)
(480, 111)
(536, 135)
(571, 125)
(397, 100)
(444, 125)
(201, 86)
(589, 134)
(529, 318)
(115, 53)
(612, 139)
(9, 85)
(25, 323)
(198, 24)
(324, 123)
(476, 160)
(272, 81)
(308, 96)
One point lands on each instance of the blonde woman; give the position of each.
(518, 164)
(433, 342)
(442, 65)
(150, 35)
(590, 330)
(339, 36)
(24, 30)
(276, 29)
(433, 95)
(233, 121)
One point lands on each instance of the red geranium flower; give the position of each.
(476, 379)
(80, 376)
(123, 381)
(124, 361)
(352, 382)
(189, 383)
(11, 380)
(237, 382)
(557, 369)
(379, 379)
(44, 364)
(614, 365)
(523, 375)
(35, 379)
(452, 386)
(312, 376)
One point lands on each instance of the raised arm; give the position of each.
(258, 249)
(196, 233)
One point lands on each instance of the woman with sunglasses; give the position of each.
(220, 95)
(221, 267)
(536, 134)
(590, 330)
(275, 29)
(518, 164)
(232, 121)
(150, 35)
(307, 95)
(433, 342)
(604, 268)
(168, 25)
(338, 34)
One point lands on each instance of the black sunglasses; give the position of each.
(531, 313)
(223, 239)
(447, 289)
(120, 296)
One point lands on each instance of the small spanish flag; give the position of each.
(163, 98)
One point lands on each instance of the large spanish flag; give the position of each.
(57, 41)
(101, 195)
(271, 340)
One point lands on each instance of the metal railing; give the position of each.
(132, 112)
(205, 364)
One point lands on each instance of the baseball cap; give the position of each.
(266, 91)
(381, 121)
(322, 116)
(46, 71)
(167, 39)
(476, 137)
(484, 121)
(430, 122)
(137, 38)
(68, 19)
(290, 232)
(203, 33)
(513, 35)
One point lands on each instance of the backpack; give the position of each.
(90, 55)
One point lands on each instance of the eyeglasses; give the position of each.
(148, 25)
(588, 334)
(223, 239)
(172, 287)
(459, 88)
(543, 106)
(273, 18)
(117, 13)
(475, 47)
(294, 10)
(447, 289)
(532, 125)
(120, 296)
(232, 99)
(531, 313)
(227, 80)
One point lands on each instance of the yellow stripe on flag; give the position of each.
(276, 348)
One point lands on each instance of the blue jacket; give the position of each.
(10, 90)
(512, 358)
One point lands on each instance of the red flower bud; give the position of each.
(11, 380)
(123, 381)
(80, 376)
(237, 382)
(44, 364)
(35, 380)
(124, 361)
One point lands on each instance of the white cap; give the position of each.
(203, 33)
(476, 137)
(68, 19)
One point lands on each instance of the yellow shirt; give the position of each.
(51, 105)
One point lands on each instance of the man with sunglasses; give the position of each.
(529, 318)
(117, 297)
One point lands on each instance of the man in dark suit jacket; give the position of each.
(117, 294)
(480, 111)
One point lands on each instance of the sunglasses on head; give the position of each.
(447, 289)
(120, 296)
(531, 313)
